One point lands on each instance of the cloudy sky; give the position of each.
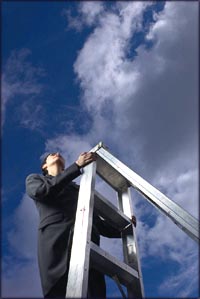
(125, 73)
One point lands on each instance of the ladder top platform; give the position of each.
(107, 172)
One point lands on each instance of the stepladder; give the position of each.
(85, 253)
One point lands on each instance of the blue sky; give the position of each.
(126, 73)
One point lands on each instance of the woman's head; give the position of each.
(51, 162)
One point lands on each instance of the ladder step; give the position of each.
(110, 175)
(111, 266)
(107, 210)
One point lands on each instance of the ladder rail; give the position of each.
(130, 245)
(185, 221)
(77, 285)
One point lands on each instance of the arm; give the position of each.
(41, 188)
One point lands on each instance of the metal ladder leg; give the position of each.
(77, 285)
(130, 248)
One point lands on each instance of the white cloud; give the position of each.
(185, 281)
(72, 22)
(106, 76)
(19, 77)
(20, 274)
(182, 187)
(31, 115)
(24, 229)
(91, 11)
(88, 14)
(20, 280)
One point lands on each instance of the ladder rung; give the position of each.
(107, 210)
(111, 266)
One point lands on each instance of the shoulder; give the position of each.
(34, 176)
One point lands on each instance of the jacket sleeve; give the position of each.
(41, 188)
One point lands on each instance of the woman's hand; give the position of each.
(86, 158)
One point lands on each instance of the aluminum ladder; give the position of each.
(84, 251)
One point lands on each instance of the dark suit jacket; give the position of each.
(56, 201)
